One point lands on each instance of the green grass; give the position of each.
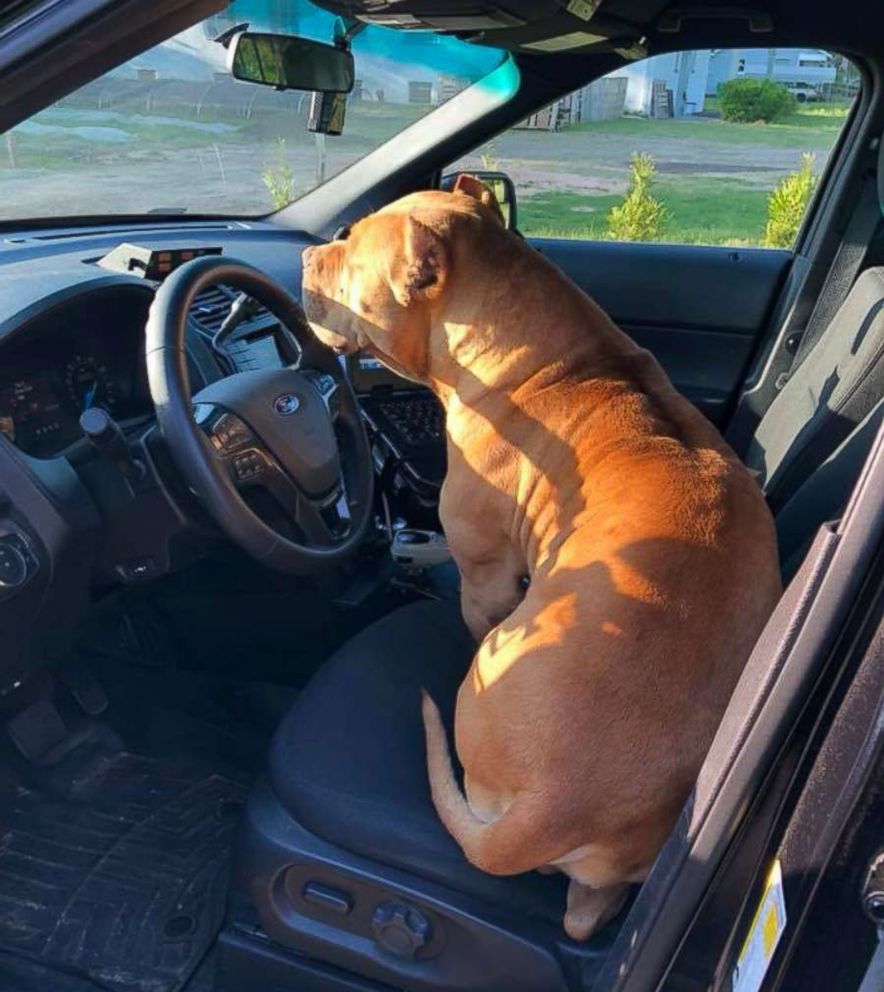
(703, 211)
(810, 127)
(833, 113)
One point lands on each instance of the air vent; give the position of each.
(211, 306)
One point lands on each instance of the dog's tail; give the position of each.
(505, 846)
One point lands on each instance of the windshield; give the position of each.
(172, 132)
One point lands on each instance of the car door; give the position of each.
(672, 192)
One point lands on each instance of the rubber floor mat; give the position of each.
(122, 881)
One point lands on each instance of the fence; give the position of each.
(603, 100)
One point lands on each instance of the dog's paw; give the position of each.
(588, 909)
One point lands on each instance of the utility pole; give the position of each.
(320, 158)
(685, 68)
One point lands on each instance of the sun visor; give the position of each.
(537, 26)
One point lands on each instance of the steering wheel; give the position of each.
(295, 432)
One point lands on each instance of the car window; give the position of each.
(171, 131)
(712, 147)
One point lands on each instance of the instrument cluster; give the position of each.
(67, 364)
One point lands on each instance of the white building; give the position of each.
(811, 66)
(683, 74)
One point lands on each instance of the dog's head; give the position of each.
(378, 287)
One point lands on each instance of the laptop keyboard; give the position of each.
(420, 419)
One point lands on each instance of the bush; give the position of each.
(640, 217)
(490, 160)
(750, 100)
(787, 205)
(279, 179)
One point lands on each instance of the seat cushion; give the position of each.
(348, 761)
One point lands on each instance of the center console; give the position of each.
(408, 425)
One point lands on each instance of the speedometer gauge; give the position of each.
(89, 383)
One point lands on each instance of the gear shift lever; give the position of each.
(107, 437)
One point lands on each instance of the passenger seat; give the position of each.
(813, 439)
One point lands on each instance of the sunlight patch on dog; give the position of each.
(503, 647)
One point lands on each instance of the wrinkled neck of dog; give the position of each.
(511, 318)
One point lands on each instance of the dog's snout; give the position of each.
(308, 255)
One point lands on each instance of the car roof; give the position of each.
(565, 29)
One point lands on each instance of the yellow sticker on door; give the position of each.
(764, 934)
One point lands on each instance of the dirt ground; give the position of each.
(592, 163)
(197, 180)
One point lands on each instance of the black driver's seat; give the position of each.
(342, 852)
(345, 858)
(376, 802)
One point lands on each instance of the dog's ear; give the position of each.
(475, 188)
(422, 269)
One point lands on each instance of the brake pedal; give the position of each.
(86, 690)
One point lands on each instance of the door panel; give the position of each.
(699, 310)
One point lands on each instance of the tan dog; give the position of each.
(593, 697)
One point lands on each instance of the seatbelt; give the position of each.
(845, 268)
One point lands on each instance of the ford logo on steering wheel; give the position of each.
(286, 404)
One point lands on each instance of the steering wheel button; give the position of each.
(247, 465)
(237, 433)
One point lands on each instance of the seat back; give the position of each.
(812, 441)
(826, 398)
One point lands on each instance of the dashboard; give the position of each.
(72, 332)
(71, 338)
(76, 339)
(83, 517)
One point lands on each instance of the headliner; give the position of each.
(851, 26)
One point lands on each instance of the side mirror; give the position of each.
(287, 62)
(500, 184)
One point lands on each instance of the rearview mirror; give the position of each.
(287, 62)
